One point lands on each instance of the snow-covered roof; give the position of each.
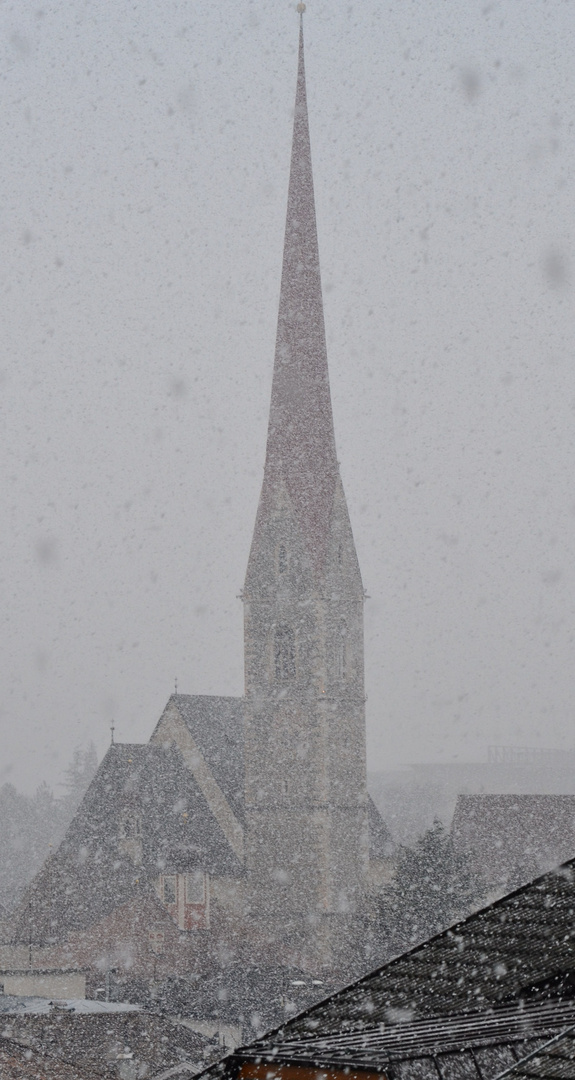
(21, 1006)
(90, 875)
(116, 1042)
(217, 726)
(514, 835)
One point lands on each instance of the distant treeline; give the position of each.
(433, 886)
(30, 824)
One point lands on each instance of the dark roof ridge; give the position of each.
(125, 746)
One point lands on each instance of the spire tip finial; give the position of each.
(300, 9)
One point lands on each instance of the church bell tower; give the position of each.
(305, 780)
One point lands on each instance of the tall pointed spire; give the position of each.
(304, 719)
(301, 445)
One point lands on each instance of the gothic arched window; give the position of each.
(284, 653)
(341, 652)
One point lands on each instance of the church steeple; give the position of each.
(301, 445)
(305, 791)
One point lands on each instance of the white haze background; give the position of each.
(145, 157)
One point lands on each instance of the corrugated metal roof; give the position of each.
(554, 1060)
(377, 1046)
(454, 1047)
(490, 958)
(499, 978)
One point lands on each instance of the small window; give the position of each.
(340, 555)
(282, 559)
(284, 654)
(196, 887)
(170, 889)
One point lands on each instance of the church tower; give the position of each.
(306, 846)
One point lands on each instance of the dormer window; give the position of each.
(187, 898)
(282, 559)
(284, 654)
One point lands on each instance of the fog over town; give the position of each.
(287, 768)
(143, 197)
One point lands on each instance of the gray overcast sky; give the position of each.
(145, 155)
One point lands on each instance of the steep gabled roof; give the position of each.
(217, 726)
(514, 835)
(90, 875)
